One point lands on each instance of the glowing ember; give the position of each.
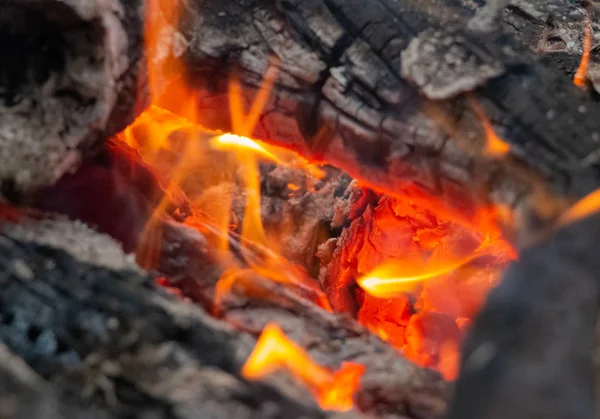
(580, 78)
(274, 351)
(423, 267)
(423, 273)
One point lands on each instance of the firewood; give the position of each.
(72, 74)
(344, 96)
(107, 335)
(529, 352)
(24, 394)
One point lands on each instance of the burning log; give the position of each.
(136, 335)
(72, 75)
(434, 112)
(126, 348)
(357, 89)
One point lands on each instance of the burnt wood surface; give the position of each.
(108, 339)
(72, 74)
(530, 351)
(554, 29)
(346, 95)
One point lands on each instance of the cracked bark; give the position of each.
(341, 97)
(88, 321)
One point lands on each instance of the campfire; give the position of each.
(288, 210)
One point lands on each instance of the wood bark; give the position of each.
(349, 93)
(88, 321)
(73, 73)
(346, 95)
(555, 30)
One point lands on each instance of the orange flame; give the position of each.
(580, 78)
(274, 351)
(585, 207)
(178, 132)
(495, 147)
(270, 265)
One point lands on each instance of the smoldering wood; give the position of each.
(110, 339)
(106, 336)
(329, 338)
(341, 97)
(555, 31)
(73, 73)
(529, 353)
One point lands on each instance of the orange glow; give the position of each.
(585, 207)
(275, 351)
(397, 277)
(423, 272)
(423, 267)
(235, 142)
(494, 146)
(580, 78)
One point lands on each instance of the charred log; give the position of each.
(24, 394)
(349, 92)
(73, 73)
(529, 352)
(555, 30)
(107, 337)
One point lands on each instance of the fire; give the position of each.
(430, 273)
(494, 146)
(174, 142)
(423, 272)
(580, 78)
(333, 390)
(585, 207)
(235, 142)
(396, 277)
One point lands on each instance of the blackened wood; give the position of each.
(555, 30)
(341, 96)
(24, 394)
(529, 353)
(72, 74)
(391, 385)
(110, 339)
(106, 336)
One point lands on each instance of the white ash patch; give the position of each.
(76, 238)
(444, 65)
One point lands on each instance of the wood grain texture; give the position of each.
(341, 97)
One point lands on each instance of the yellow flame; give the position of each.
(398, 277)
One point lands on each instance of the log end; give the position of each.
(71, 71)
